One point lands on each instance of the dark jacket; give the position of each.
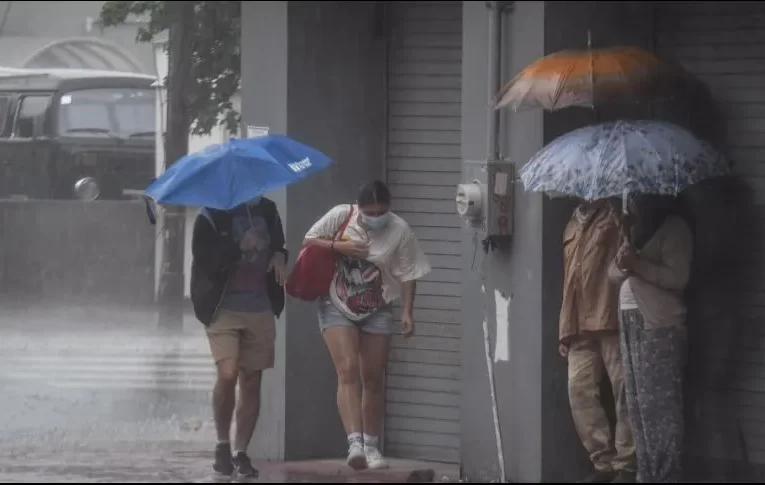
(215, 254)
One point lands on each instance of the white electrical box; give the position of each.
(485, 198)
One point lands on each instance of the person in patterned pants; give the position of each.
(653, 267)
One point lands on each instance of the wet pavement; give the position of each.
(173, 462)
(100, 395)
(180, 461)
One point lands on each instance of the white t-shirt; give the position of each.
(361, 287)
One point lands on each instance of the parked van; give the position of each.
(75, 133)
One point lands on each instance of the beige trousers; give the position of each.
(588, 358)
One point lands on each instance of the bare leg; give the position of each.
(373, 350)
(374, 358)
(248, 409)
(224, 397)
(343, 345)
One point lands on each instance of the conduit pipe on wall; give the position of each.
(496, 9)
(495, 76)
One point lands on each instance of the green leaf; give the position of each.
(216, 62)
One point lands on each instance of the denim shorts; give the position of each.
(378, 323)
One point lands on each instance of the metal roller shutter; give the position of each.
(423, 168)
(723, 44)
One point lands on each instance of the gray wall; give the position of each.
(99, 253)
(324, 85)
(517, 274)
(337, 104)
(540, 441)
(264, 103)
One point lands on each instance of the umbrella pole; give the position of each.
(492, 148)
(592, 75)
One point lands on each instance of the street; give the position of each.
(101, 396)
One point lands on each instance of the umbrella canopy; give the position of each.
(230, 174)
(607, 160)
(589, 78)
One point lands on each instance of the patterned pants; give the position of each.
(653, 378)
(588, 360)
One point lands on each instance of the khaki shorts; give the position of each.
(246, 337)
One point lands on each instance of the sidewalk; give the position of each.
(172, 461)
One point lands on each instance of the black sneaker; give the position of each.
(600, 477)
(223, 463)
(244, 466)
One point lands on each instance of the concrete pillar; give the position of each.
(516, 275)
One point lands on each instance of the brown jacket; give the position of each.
(590, 299)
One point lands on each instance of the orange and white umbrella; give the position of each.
(589, 78)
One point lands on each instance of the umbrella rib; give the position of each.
(232, 183)
(561, 85)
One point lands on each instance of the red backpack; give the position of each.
(314, 269)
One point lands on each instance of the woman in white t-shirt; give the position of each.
(379, 262)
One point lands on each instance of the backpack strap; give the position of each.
(219, 220)
(269, 214)
(206, 214)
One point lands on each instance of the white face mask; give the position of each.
(375, 222)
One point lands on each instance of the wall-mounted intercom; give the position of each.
(485, 199)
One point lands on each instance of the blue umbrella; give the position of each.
(611, 159)
(227, 175)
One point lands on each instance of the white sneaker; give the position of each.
(375, 460)
(356, 457)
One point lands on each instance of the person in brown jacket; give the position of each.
(589, 337)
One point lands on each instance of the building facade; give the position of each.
(398, 91)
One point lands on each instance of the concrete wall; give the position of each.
(99, 253)
(540, 442)
(323, 85)
(264, 102)
(516, 274)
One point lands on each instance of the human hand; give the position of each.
(354, 249)
(626, 257)
(279, 267)
(407, 325)
(563, 350)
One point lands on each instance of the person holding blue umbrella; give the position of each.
(238, 268)
(236, 288)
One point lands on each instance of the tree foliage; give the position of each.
(216, 54)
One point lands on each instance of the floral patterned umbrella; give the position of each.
(611, 159)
